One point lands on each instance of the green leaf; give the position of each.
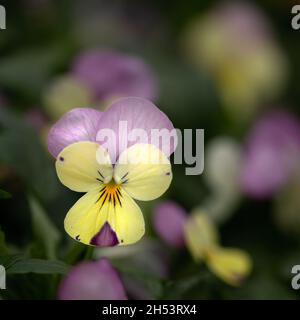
(4, 194)
(18, 264)
(8, 261)
(38, 266)
(45, 231)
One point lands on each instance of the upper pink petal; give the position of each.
(79, 124)
(125, 116)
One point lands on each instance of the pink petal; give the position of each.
(135, 113)
(79, 124)
(92, 281)
(168, 220)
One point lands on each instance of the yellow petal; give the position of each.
(200, 235)
(144, 172)
(83, 166)
(105, 217)
(231, 265)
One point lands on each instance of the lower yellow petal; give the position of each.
(231, 265)
(105, 217)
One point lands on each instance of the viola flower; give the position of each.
(96, 280)
(111, 177)
(198, 232)
(110, 74)
(202, 238)
(272, 154)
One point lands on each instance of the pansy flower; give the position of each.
(111, 173)
(230, 264)
(198, 232)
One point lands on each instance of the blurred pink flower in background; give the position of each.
(96, 79)
(168, 221)
(148, 259)
(272, 154)
(92, 281)
(110, 74)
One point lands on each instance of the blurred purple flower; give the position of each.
(168, 220)
(110, 74)
(82, 124)
(92, 281)
(272, 153)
